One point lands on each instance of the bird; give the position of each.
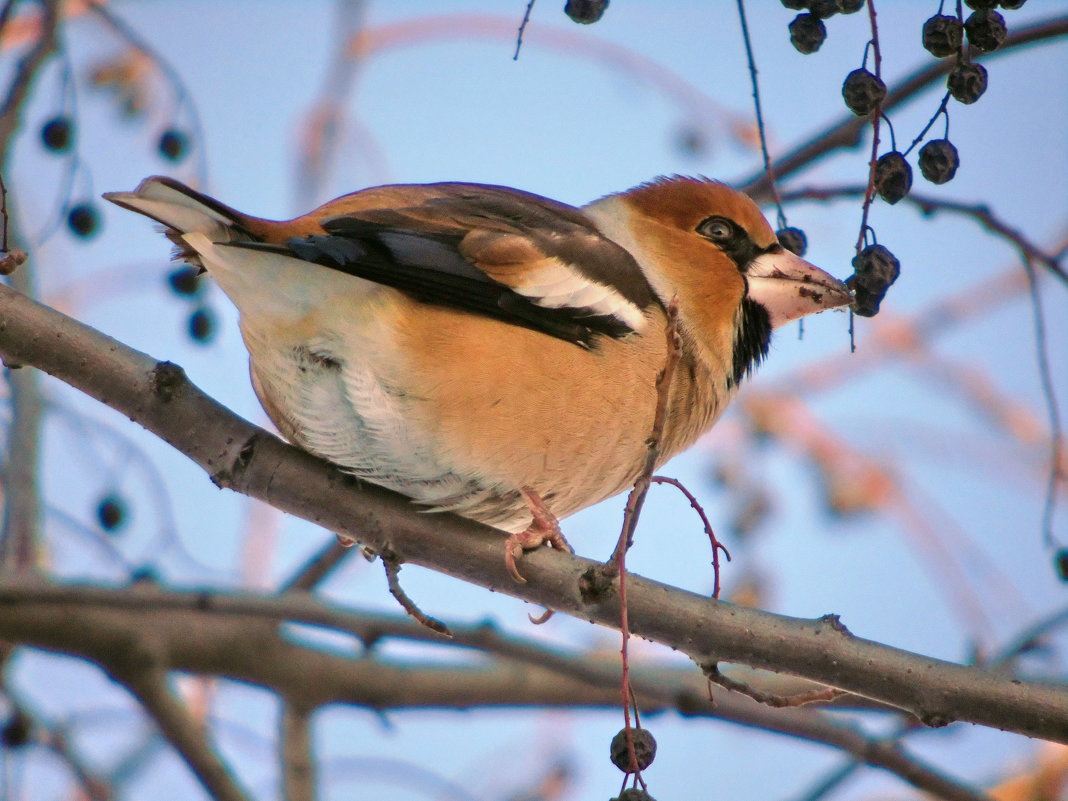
(491, 352)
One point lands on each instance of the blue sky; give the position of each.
(574, 127)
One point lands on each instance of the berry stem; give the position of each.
(876, 116)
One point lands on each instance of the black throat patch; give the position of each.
(751, 341)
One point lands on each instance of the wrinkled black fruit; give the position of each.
(795, 5)
(1012, 5)
(111, 512)
(1060, 561)
(807, 33)
(850, 6)
(979, 5)
(939, 161)
(83, 220)
(986, 30)
(793, 239)
(863, 92)
(634, 794)
(56, 134)
(824, 9)
(967, 82)
(874, 269)
(893, 177)
(185, 280)
(943, 35)
(644, 749)
(173, 145)
(585, 12)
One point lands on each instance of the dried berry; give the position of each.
(83, 220)
(893, 177)
(979, 5)
(939, 161)
(173, 145)
(111, 512)
(986, 30)
(17, 730)
(185, 280)
(634, 794)
(967, 82)
(1012, 5)
(824, 9)
(1060, 561)
(644, 749)
(585, 11)
(202, 325)
(56, 134)
(850, 6)
(863, 92)
(793, 239)
(795, 5)
(874, 269)
(943, 35)
(807, 33)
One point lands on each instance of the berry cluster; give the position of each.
(943, 36)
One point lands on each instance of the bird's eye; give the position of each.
(716, 228)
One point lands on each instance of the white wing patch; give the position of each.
(556, 286)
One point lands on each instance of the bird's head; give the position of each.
(710, 245)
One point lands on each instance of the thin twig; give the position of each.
(928, 205)
(717, 546)
(821, 695)
(393, 566)
(522, 29)
(772, 188)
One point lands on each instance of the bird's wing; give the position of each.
(495, 251)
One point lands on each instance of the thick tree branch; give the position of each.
(249, 460)
(237, 639)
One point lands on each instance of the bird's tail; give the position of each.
(178, 207)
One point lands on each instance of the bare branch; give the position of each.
(247, 459)
(148, 684)
(298, 766)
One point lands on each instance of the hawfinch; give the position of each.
(492, 352)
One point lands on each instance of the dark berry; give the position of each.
(850, 6)
(111, 512)
(16, 732)
(634, 794)
(83, 220)
(943, 35)
(874, 269)
(793, 239)
(173, 145)
(202, 325)
(980, 5)
(893, 177)
(644, 749)
(1060, 561)
(863, 92)
(824, 9)
(807, 33)
(939, 161)
(1012, 5)
(986, 30)
(56, 134)
(185, 280)
(585, 11)
(967, 82)
(795, 5)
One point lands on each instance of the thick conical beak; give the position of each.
(789, 287)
